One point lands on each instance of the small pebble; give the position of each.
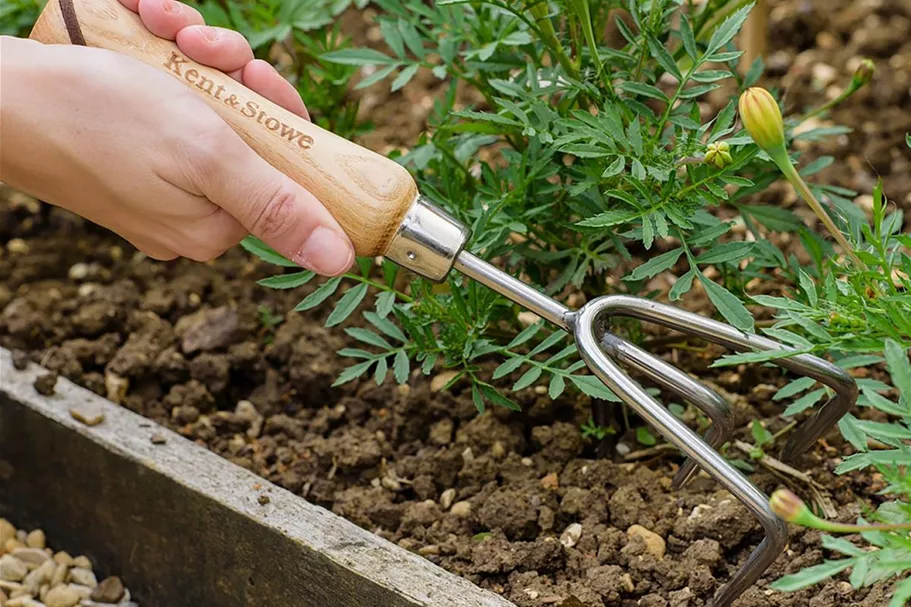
(462, 509)
(429, 550)
(89, 418)
(62, 596)
(35, 556)
(20, 360)
(59, 576)
(7, 531)
(110, 590)
(44, 384)
(17, 246)
(263, 499)
(64, 558)
(158, 439)
(78, 271)
(83, 577)
(447, 498)
(570, 536)
(12, 569)
(36, 539)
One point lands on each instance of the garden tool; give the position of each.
(377, 203)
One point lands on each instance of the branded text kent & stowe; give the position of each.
(249, 109)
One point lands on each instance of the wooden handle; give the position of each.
(367, 193)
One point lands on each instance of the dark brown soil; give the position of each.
(488, 497)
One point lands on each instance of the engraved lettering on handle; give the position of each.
(250, 109)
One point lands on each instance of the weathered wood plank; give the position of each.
(185, 526)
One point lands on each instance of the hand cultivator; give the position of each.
(377, 203)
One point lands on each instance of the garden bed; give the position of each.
(519, 503)
(487, 497)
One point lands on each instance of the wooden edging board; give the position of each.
(185, 527)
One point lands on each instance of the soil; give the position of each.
(518, 502)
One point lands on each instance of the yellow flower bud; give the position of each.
(762, 119)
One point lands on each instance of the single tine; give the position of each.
(681, 384)
(588, 327)
(824, 372)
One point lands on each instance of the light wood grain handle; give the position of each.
(367, 193)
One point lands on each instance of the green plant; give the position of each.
(578, 157)
(883, 531)
(592, 430)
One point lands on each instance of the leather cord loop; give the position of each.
(71, 22)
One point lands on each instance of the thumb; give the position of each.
(277, 210)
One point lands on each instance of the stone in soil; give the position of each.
(45, 384)
(62, 596)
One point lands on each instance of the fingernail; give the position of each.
(210, 33)
(326, 252)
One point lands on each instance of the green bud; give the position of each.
(762, 119)
(719, 154)
(863, 74)
(787, 506)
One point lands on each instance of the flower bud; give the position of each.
(863, 74)
(788, 506)
(719, 154)
(762, 118)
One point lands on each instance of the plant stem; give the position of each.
(539, 10)
(791, 174)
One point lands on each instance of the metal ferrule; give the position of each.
(427, 241)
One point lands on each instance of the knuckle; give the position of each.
(275, 214)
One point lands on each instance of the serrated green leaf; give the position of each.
(254, 245)
(287, 281)
(321, 294)
(726, 251)
(682, 286)
(795, 387)
(899, 368)
(498, 399)
(607, 219)
(556, 387)
(347, 304)
(614, 168)
(384, 303)
(412, 38)
(401, 367)
(727, 304)
(385, 325)
(664, 58)
(508, 366)
(728, 29)
(368, 337)
(352, 373)
(698, 91)
(593, 387)
(848, 427)
(392, 37)
(528, 378)
(656, 265)
(804, 402)
(809, 289)
(811, 575)
(646, 90)
(382, 368)
(404, 77)
(357, 56)
(689, 40)
(477, 398)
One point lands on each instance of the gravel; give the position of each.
(33, 574)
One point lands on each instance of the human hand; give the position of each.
(132, 149)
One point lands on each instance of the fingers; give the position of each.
(223, 49)
(165, 18)
(276, 209)
(260, 76)
(216, 47)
